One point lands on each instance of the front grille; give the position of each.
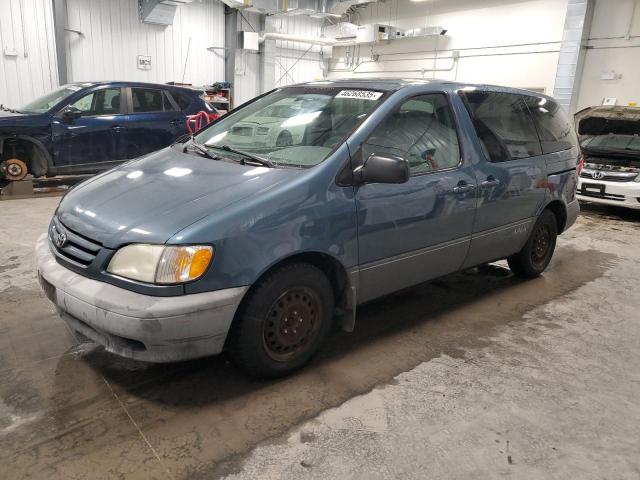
(609, 176)
(242, 131)
(606, 196)
(71, 245)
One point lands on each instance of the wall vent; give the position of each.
(159, 12)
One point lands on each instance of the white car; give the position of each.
(282, 124)
(610, 142)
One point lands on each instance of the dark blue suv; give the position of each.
(88, 127)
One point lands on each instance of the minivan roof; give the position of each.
(391, 84)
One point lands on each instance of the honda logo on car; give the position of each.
(597, 175)
(360, 94)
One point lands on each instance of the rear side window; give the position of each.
(504, 125)
(149, 100)
(422, 131)
(554, 128)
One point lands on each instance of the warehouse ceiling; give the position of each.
(314, 8)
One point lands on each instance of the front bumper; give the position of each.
(621, 194)
(142, 327)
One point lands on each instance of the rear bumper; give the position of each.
(621, 194)
(142, 327)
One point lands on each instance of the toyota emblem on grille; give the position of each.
(60, 239)
(597, 175)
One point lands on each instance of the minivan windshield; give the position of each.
(50, 100)
(294, 127)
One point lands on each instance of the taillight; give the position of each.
(580, 164)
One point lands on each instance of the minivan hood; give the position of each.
(150, 199)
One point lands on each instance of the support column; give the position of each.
(577, 27)
(267, 61)
(230, 43)
(59, 25)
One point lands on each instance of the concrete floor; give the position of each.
(478, 375)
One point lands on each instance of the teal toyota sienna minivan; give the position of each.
(228, 241)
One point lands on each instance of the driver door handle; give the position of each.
(116, 128)
(490, 182)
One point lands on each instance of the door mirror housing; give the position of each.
(382, 169)
(71, 113)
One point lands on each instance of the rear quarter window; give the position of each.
(553, 124)
(182, 99)
(147, 100)
(504, 125)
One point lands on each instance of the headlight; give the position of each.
(161, 263)
(262, 130)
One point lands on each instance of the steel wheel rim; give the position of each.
(292, 323)
(541, 245)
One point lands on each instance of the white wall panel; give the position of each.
(112, 38)
(296, 62)
(508, 42)
(614, 47)
(26, 27)
(246, 83)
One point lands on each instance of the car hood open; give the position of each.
(150, 199)
(605, 120)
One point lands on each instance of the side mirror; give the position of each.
(383, 169)
(71, 113)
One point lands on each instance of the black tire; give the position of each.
(284, 139)
(535, 256)
(283, 322)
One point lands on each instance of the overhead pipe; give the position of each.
(326, 42)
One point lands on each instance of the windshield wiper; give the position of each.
(250, 156)
(10, 110)
(200, 148)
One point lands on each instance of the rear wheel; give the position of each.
(535, 256)
(283, 322)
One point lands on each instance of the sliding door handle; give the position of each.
(464, 187)
(490, 182)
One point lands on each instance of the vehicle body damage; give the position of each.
(610, 142)
(23, 138)
(88, 127)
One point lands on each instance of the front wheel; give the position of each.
(283, 322)
(535, 256)
(14, 169)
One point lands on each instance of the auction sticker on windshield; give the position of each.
(360, 94)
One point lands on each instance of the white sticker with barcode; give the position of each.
(360, 94)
